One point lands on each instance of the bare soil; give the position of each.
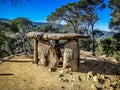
(95, 73)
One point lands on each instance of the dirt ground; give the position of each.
(95, 73)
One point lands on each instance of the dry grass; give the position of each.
(21, 74)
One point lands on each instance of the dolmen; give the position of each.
(47, 51)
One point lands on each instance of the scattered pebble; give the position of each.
(65, 80)
(61, 75)
(95, 79)
(90, 74)
(93, 86)
(79, 78)
(62, 87)
(52, 69)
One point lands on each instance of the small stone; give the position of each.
(71, 73)
(61, 75)
(73, 84)
(114, 84)
(61, 72)
(60, 79)
(71, 80)
(93, 86)
(82, 62)
(89, 75)
(62, 87)
(111, 88)
(74, 78)
(95, 79)
(52, 69)
(0, 62)
(101, 81)
(84, 78)
(102, 76)
(65, 80)
(79, 78)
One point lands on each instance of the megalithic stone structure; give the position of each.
(46, 54)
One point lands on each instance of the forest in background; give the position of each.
(79, 18)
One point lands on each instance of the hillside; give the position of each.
(19, 73)
(36, 24)
(4, 20)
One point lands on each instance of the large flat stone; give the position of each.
(55, 36)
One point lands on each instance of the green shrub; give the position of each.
(117, 57)
(107, 46)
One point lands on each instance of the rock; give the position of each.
(101, 81)
(82, 62)
(89, 75)
(114, 84)
(65, 80)
(61, 75)
(84, 78)
(54, 36)
(68, 70)
(93, 86)
(67, 58)
(46, 54)
(71, 73)
(79, 78)
(60, 79)
(73, 84)
(71, 55)
(0, 62)
(52, 69)
(103, 77)
(74, 78)
(111, 88)
(62, 87)
(95, 79)
(61, 71)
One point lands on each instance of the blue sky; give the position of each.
(38, 10)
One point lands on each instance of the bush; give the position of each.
(86, 44)
(108, 46)
(117, 57)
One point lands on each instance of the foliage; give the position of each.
(115, 20)
(117, 57)
(24, 25)
(98, 33)
(5, 40)
(85, 44)
(108, 46)
(48, 28)
(117, 36)
(79, 15)
(13, 37)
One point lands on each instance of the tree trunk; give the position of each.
(1, 55)
(76, 29)
(24, 48)
(93, 39)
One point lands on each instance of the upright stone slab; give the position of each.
(71, 55)
(35, 51)
(46, 54)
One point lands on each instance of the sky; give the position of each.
(38, 10)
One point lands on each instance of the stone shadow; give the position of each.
(6, 74)
(19, 61)
(99, 66)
